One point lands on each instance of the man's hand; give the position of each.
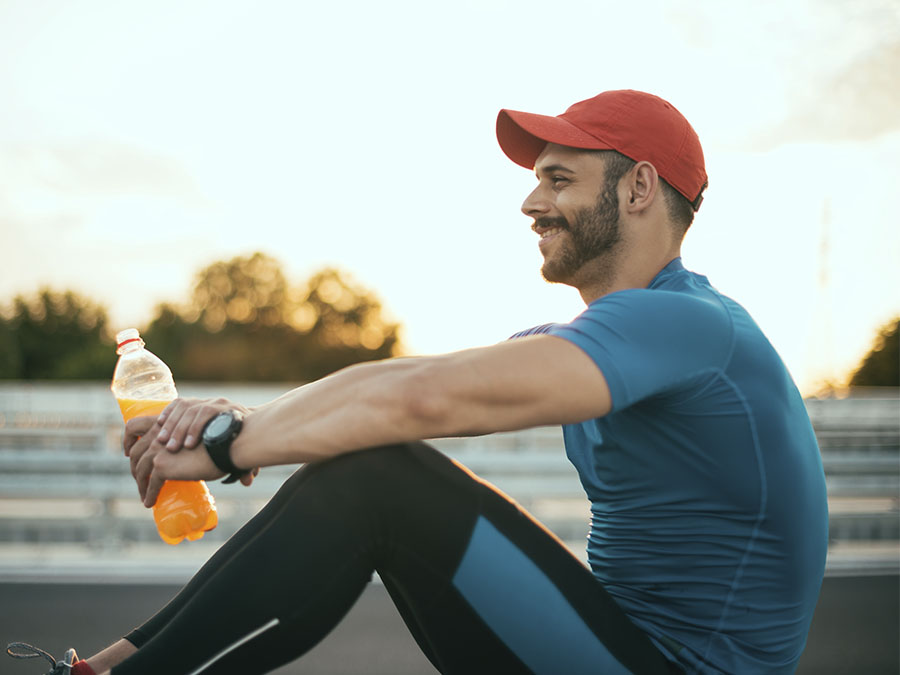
(154, 446)
(182, 421)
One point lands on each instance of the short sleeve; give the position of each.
(648, 341)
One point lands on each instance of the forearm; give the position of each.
(361, 406)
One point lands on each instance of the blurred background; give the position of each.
(271, 191)
(141, 143)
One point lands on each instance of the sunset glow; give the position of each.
(140, 142)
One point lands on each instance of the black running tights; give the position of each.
(481, 585)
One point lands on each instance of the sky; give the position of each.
(140, 142)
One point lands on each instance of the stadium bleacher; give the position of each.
(64, 480)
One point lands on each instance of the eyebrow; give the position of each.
(552, 168)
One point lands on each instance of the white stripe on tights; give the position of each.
(230, 648)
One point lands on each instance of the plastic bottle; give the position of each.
(143, 385)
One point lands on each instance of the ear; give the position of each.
(642, 185)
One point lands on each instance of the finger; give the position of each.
(154, 485)
(140, 479)
(194, 431)
(137, 451)
(164, 415)
(179, 419)
(142, 444)
(247, 478)
(134, 429)
(177, 432)
(144, 468)
(171, 414)
(190, 428)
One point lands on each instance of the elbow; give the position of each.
(427, 408)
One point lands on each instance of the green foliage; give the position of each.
(55, 335)
(242, 290)
(243, 322)
(881, 366)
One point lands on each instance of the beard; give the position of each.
(594, 234)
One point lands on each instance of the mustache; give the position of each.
(547, 222)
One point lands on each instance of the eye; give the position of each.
(558, 181)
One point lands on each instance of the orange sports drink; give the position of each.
(143, 386)
(184, 509)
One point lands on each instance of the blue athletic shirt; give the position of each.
(709, 515)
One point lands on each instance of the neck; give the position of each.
(600, 277)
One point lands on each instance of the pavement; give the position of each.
(854, 631)
(372, 639)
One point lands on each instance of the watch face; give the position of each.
(218, 426)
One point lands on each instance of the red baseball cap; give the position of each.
(641, 126)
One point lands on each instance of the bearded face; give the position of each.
(592, 234)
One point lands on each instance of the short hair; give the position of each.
(680, 211)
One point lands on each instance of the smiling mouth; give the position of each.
(548, 232)
(547, 236)
(547, 227)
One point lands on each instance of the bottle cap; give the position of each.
(127, 336)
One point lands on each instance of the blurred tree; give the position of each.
(245, 323)
(55, 335)
(343, 322)
(242, 291)
(881, 366)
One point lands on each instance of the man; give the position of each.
(709, 524)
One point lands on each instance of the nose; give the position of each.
(536, 204)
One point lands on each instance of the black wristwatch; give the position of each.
(218, 435)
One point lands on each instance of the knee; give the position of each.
(383, 463)
(392, 474)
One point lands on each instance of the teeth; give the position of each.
(550, 232)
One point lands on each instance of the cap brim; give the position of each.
(522, 136)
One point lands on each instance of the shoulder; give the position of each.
(646, 341)
(676, 311)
